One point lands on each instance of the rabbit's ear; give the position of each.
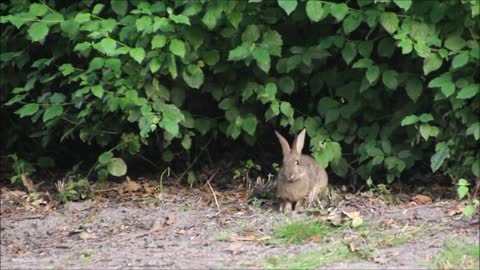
(283, 143)
(299, 142)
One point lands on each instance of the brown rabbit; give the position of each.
(300, 176)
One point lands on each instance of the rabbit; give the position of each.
(300, 177)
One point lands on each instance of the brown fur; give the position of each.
(300, 177)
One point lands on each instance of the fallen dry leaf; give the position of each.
(243, 196)
(233, 248)
(170, 220)
(249, 237)
(351, 246)
(351, 215)
(27, 182)
(315, 238)
(130, 186)
(86, 236)
(422, 199)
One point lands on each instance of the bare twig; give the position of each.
(213, 192)
(196, 159)
(416, 207)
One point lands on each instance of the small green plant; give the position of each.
(74, 190)
(336, 252)
(159, 189)
(472, 202)
(256, 203)
(243, 173)
(383, 191)
(86, 256)
(458, 255)
(299, 231)
(20, 167)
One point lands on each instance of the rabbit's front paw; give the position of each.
(286, 207)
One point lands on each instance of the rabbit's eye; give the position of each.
(297, 162)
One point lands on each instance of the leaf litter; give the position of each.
(134, 225)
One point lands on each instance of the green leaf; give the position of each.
(286, 109)
(390, 79)
(97, 91)
(438, 158)
(288, 5)
(462, 192)
(249, 124)
(408, 120)
(117, 167)
(469, 209)
(52, 112)
(460, 60)
(374, 151)
(108, 46)
(97, 8)
(427, 131)
(37, 31)
(474, 130)
(180, 19)
(158, 41)
(414, 88)
(186, 142)
(82, 17)
(476, 167)
(28, 109)
(403, 4)
(365, 48)
(372, 74)
(138, 54)
(66, 69)
(239, 53)
(425, 117)
(315, 11)
(352, 22)
(172, 66)
(251, 34)
(193, 76)
(357, 221)
(431, 63)
(339, 11)
(119, 6)
(15, 99)
(286, 84)
(211, 57)
(389, 21)
(455, 42)
(177, 47)
(96, 63)
(349, 52)
(37, 9)
(105, 157)
(469, 91)
(262, 58)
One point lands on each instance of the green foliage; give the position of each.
(381, 86)
(299, 231)
(463, 191)
(458, 255)
(74, 190)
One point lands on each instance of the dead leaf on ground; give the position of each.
(27, 183)
(249, 237)
(130, 186)
(422, 199)
(315, 238)
(233, 248)
(351, 246)
(352, 214)
(170, 220)
(86, 236)
(243, 196)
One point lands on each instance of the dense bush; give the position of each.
(382, 86)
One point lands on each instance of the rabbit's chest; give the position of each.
(293, 191)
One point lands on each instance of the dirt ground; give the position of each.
(184, 229)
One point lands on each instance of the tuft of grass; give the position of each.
(299, 231)
(458, 255)
(336, 252)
